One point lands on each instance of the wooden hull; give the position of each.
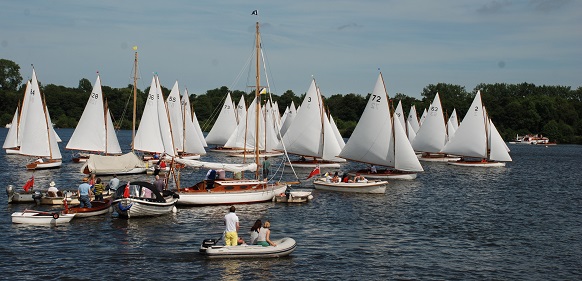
(230, 192)
(477, 164)
(353, 187)
(140, 207)
(49, 164)
(97, 208)
(385, 175)
(284, 247)
(37, 217)
(227, 150)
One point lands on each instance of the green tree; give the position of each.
(10, 77)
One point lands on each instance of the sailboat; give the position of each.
(94, 131)
(220, 190)
(14, 136)
(127, 163)
(477, 140)
(432, 135)
(311, 134)
(189, 111)
(184, 133)
(38, 136)
(381, 140)
(223, 127)
(142, 199)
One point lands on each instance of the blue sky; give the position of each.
(205, 44)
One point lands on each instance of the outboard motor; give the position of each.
(10, 192)
(207, 243)
(36, 196)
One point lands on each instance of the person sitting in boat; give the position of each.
(345, 178)
(255, 232)
(360, 178)
(373, 169)
(335, 178)
(84, 192)
(99, 188)
(52, 190)
(327, 177)
(265, 236)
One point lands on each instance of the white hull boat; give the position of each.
(50, 164)
(386, 175)
(231, 192)
(311, 165)
(298, 196)
(483, 164)
(284, 247)
(354, 187)
(261, 155)
(132, 201)
(39, 217)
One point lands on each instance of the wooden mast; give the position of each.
(134, 99)
(258, 99)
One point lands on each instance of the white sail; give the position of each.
(176, 116)
(410, 131)
(197, 129)
(11, 140)
(336, 132)
(164, 123)
(431, 136)
(450, 128)
(23, 112)
(498, 149)
(224, 126)
(148, 137)
(91, 133)
(305, 135)
(404, 156)
(271, 127)
(399, 114)
(370, 139)
(241, 109)
(192, 142)
(470, 139)
(413, 121)
(289, 118)
(38, 138)
(112, 146)
(424, 113)
(243, 137)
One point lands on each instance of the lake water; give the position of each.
(520, 222)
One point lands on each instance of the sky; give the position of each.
(342, 44)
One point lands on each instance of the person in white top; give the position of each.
(264, 238)
(52, 191)
(232, 225)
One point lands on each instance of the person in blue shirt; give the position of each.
(84, 195)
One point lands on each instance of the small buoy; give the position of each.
(55, 216)
(174, 210)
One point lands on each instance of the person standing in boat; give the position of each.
(159, 183)
(84, 195)
(266, 167)
(232, 225)
(99, 188)
(265, 236)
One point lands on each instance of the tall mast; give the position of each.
(134, 98)
(258, 99)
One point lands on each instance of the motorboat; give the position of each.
(41, 217)
(370, 186)
(285, 246)
(142, 199)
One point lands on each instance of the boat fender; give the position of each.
(122, 208)
(56, 216)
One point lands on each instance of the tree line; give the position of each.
(554, 111)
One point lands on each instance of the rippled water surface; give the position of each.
(521, 222)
